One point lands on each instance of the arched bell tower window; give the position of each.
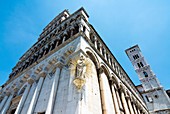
(145, 74)
(135, 56)
(140, 64)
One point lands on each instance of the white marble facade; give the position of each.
(70, 70)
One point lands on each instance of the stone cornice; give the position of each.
(44, 57)
(77, 13)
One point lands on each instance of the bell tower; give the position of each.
(151, 89)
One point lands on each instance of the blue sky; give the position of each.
(120, 23)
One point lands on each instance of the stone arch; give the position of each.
(51, 35)
(91, 35)
(105, 70)
(132, 99)
(122, 87)
(71, 20)
(93, 57)
(113, 76)
(127, 93)
(21, 91)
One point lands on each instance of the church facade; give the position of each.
(70, 70)
(156, 98)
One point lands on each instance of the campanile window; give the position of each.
(140, 64)
(145, 74)
(135, 56)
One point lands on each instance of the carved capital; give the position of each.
(43, 74)
(100, 70)
(100, 45)
(41, 50)
(122, 89)
(38, 70)
(95, 38)
(26, 75)
(112, 81)
(31, 79)
(51, 62)
(8, 92)
(24, 78)
(115, 86)
(15, 87)
(60, 62)
(128, 97)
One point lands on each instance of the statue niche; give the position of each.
(79, 80)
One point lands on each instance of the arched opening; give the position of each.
(92, 82)
(54, 45)
(76, 30)
(84, 29)
(120, 90)
(22, 90)
(105, 89)
(145, 74)
(92, 37)
(93, 58)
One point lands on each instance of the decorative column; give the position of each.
(64, 36)
(41, 53)
(106, 97)
(139, 111)
(51, 45)
(46, 47)
(124, 102)
(105, 54)
(3, 101)
(72, 30)
(95, 42)
(100, 48)
(109, 59)
(86, 31)
(80, 27)
(130, 105)
(24, 97)
(36, 95)
(52, 97)
(103, 99)
(7, 104)
(119, 101)
(56, 43)
(115, 100)
(134, 107)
